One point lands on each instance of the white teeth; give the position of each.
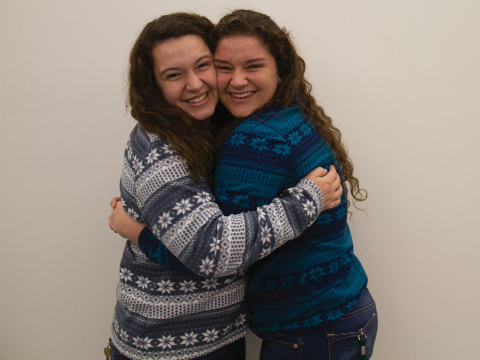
(198, 99)
(243, 95)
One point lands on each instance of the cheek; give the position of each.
(272, 78)
(274, 87)
(269, 94)
(221, 82)
(273, 81)
(172, 93)
(212, 77)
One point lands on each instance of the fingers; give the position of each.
(329, 184)
(331, 187)
(333, 199)
(338, 191)
(319, 171)
(315, 173)
(113, 202)
(333, 177)
(111, 224)
(332, 174)
(337, 184)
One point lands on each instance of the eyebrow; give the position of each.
(246, 62)
(200, 59)
(255, 60)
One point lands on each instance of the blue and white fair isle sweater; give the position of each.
(165, 314)
(309, 282)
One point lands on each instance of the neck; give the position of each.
(206, 122)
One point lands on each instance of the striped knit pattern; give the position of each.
(316, 279)
(165, 314)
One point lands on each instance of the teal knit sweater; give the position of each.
(316, 279)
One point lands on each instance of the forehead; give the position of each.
(241, 45)
(179, 51)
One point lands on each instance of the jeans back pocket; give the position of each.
(345, 343)
(273, 349)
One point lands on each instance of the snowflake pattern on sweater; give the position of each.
(162, 313)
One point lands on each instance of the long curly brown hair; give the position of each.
(148, 105)
(293, 85)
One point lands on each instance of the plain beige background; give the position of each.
(401, 79)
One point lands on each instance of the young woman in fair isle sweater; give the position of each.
(165, 314)
(309, 298)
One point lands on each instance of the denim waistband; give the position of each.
(365, 300)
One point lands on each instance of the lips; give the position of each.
(242, 95)
(197, 99)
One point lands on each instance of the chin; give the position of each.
(242, 113)
(202, 115)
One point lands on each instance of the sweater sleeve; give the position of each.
(156, 189)
(155, 250)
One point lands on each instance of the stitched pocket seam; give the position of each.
(359, 311)
(284, 344)
(341, 336)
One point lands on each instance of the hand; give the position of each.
(329, 184)
(113, 204)
(120, 222)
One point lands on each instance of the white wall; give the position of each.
(401, 79)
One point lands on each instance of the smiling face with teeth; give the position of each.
(247, 74)
(184, 72)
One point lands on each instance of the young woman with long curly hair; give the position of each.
(309, 299)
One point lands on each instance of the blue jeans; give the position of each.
(340, 342)
(233, 351)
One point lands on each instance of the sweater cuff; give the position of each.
(144, 239)
(314, 192)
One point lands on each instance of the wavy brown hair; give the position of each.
(148, 105)
(293, 85)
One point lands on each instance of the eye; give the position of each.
(172, 76)
(204, 66)
(254, 66)
(223, 67)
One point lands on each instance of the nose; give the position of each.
(194, 83)
(238, 79)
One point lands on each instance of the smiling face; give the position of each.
(247, 75)
(184, 72)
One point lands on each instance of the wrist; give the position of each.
(133, 231)
(314, 192)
